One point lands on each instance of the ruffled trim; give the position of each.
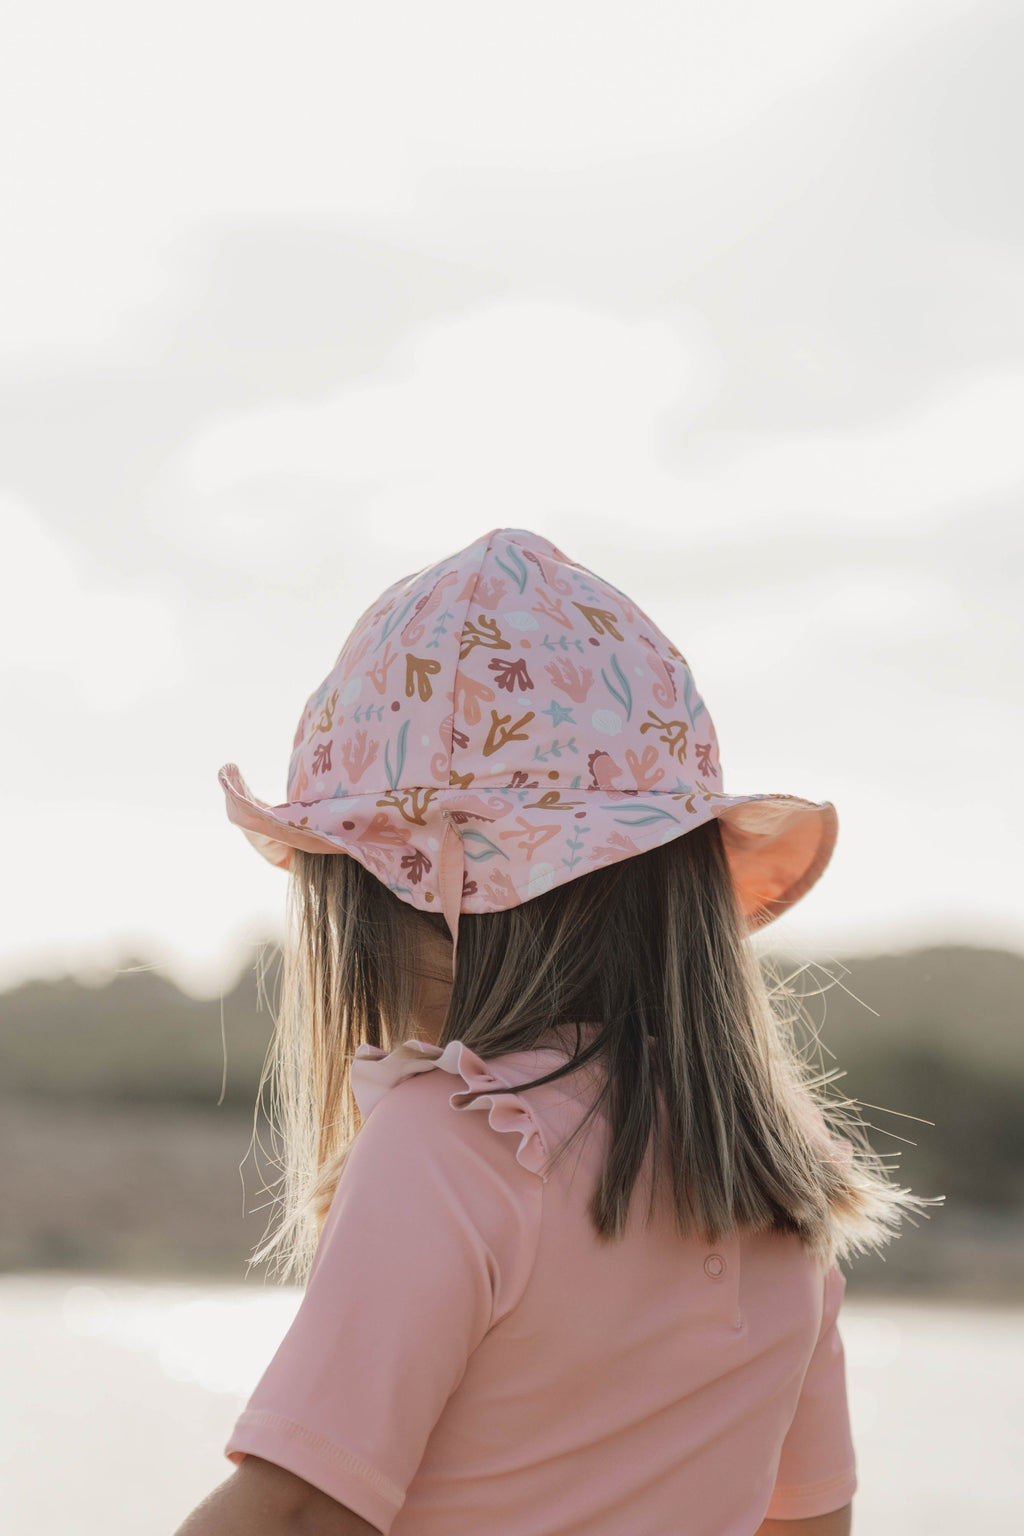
(375, 1072)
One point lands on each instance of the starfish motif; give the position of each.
(558, 714)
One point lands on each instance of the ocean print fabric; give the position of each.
(513, 694)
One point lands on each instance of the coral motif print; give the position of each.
(511, 674)
(357, 755)
(490, 593)
(530, 836)
(619, 846)
(484, 632)
(507, 709)
(501, 893)
(551, 800)
(469, 695)
(673, 733)
(381, 830)
(322, 757)
(502, 731)
(416, 865)
(601, 620)
(418, 672)
(571, 679)
(325, 719)
(551, 608)
(645, 770)
(705, 758)
(411, 804)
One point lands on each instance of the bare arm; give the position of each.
(262, 1499)
(836, 1523)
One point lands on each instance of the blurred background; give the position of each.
(728, 302)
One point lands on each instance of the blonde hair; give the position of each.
(697, 1036)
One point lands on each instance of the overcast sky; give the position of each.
(727, 301)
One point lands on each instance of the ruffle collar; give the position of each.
(374, 1072)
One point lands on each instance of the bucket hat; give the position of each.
(505, 721)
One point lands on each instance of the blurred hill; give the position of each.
(124, 1159)
(136, 1039)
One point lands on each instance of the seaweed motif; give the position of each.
(622, 692)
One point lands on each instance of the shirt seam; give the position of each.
(265, 1418)
(825, 1485)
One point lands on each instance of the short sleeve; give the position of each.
(429, 1240)
(817, 1468)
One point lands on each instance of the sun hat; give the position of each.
(505, 721)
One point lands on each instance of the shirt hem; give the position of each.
(799, 1502)
(310, 1455)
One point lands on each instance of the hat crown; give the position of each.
(507, 665)
(511, 696)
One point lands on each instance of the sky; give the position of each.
(727, 301)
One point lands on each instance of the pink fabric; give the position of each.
(504, 721)
(469, 1357)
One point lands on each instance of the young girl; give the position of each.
(521, 903)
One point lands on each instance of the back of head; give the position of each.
(697, 1038)
(509, 779)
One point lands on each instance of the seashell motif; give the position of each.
(606, 722)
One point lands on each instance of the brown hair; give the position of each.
(698, 1039)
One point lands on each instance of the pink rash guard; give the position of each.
(470, 1358)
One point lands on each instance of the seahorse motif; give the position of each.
(378, 673)
(415, 627)
(603, 771)
(664, 689)
(548, 571)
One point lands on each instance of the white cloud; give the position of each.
(507, 409)
(131, 123)
(963, 443)
(526, 412)
(66, 629)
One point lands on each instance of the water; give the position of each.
(117, 1398)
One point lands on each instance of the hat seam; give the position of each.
(458, 650)
(699, 787)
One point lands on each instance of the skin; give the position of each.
(263, 1499)
(838, 1522)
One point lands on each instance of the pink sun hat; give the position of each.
(505, 721)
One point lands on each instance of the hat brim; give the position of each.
(777, 845)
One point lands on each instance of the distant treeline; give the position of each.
(934, 1033)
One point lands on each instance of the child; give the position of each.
(521, 902)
